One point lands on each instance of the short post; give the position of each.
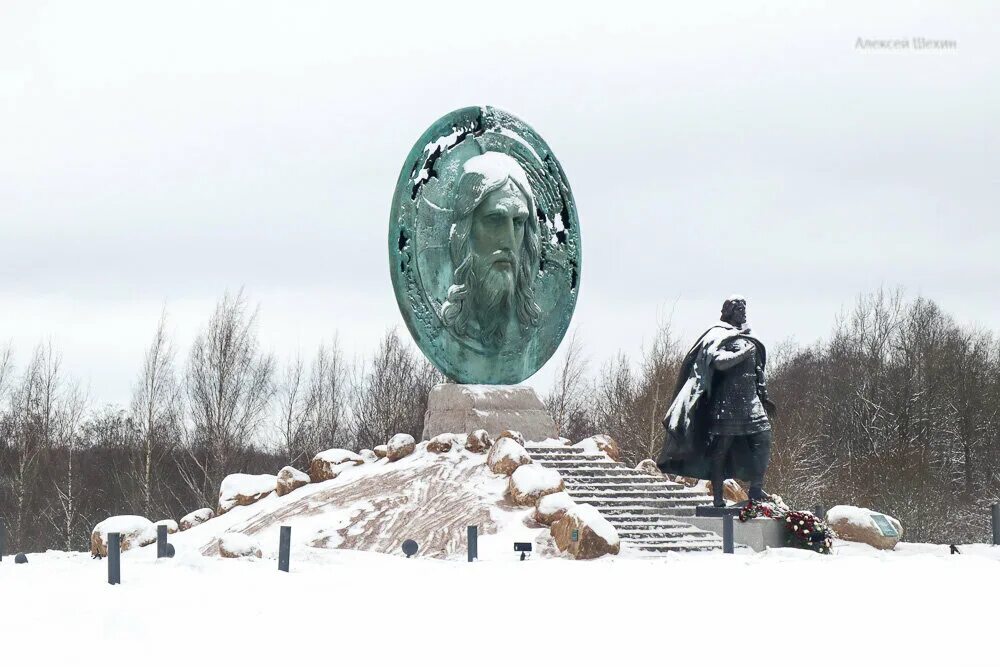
(996, 523)
(819, 512)
(114, 558)
(284, 548)
(727, 533)
(161, 541)
(3, 537)
(473, 545)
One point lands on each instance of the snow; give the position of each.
(915, 606)
(589, 515)
(533, 478)
(400, 440)
(858, 516)
(554, 502)
(169, 523)
(124, 524)
(241, 484)
(496, 166)
(336, 456)
(591, 446)
(198, 516)
(238, 543)
(507, 448)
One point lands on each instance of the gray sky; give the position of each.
(158, 154)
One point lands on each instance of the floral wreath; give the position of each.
(805, 530)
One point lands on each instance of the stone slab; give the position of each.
(758, 534)
(463, 408)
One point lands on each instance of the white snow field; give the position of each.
(915, 606)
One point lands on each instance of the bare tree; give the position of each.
(229, 390)
(568, 395)
(294, 404)
(328, 396)
(156, 409)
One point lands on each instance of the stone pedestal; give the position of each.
(463, 408)
(758, 534)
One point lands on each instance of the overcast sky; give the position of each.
(158, 154)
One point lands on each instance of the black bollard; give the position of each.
(473, 543)
(114, 558)
(996, 523)
(284, 547)
(21, 559)
(161, 542)
(3, 537)
(819, 512)
(727, 533)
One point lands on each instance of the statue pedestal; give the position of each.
(463, 408)
(758, 534)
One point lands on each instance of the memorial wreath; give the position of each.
(805, 530)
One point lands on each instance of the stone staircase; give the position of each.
(646, 510)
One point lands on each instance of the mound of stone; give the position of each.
(860, 524)
(169, 523)
(289, 479)
(135, 531)
(507, 455)
(243, 489)
(513, 435)
(550, 508)
(238, 545)
(445, 442)
(601, 444)
(649, 467)
(400, 445)
(531, 482)
(478, 441)
(381, 451)
(583, 533)
(368, 456)
(329, 463)
(196, 518)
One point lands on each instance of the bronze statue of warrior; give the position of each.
(717, 426)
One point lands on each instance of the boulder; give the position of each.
(238, 545)
(400, 445)
(731, 491)
(381, 451)
(595, 537)
(196, 517)
(289, 479)
(513, 435)
(855, 524)
(445, 442)
(648, 466)
(169, 523)
(478, 441)
(530, 482)
(507, 455)
(135, 531)
(601, 444)
(368, 456)
(550, 508)
(331, 462)
(242, 489)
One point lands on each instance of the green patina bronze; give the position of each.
(484, 247)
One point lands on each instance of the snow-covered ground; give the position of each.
(915, 606)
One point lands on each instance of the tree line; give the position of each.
(897, 410)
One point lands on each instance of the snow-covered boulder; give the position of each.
(445, 442)
(331, 462)
(513, 435)
(648, 466)
(238, 545)
(507, 455)
(400, 445)
(243, 489)
(289, 479)
(601, 444)
(381, 451)
(135, 531)
(855, 524)
(731, 490)
(595, 536)
(196, 517)
(478, 441)
(530, 482)
(368, 456)
(550, 508)
(169, 523)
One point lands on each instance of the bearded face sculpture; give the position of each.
(494, 247)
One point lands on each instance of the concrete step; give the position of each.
(564, 456)
(598, 501)
(678, 547)
(600, 492)
(555, 450)
(664, 512)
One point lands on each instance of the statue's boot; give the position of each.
(757, 493)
